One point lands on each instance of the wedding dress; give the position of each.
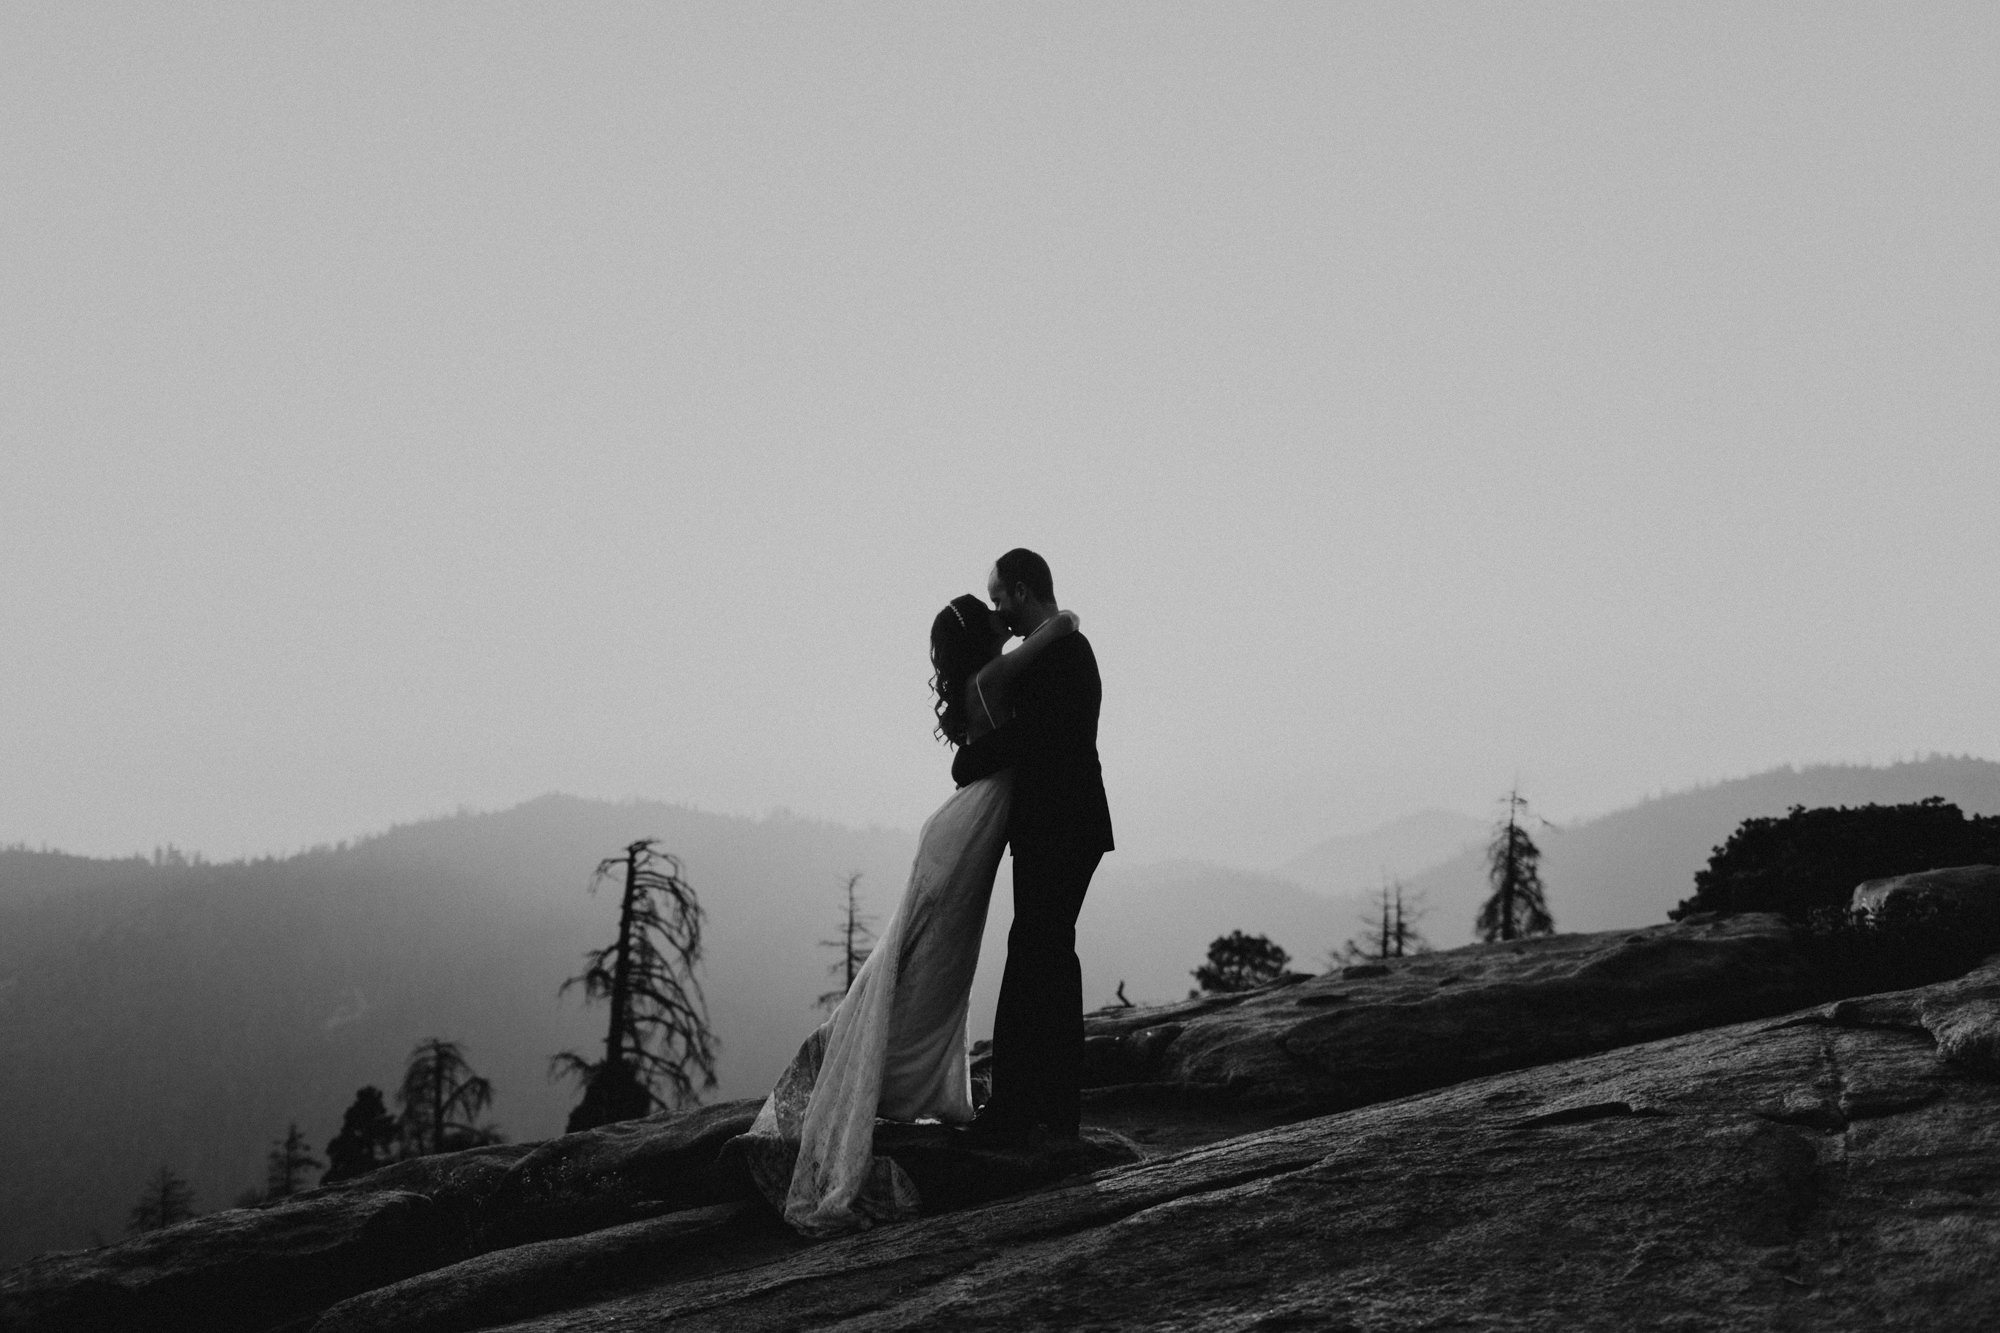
(895, 1047)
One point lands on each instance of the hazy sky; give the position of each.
(413, 406)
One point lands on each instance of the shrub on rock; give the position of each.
(1811, 859)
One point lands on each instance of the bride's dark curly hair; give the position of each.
(962, 641)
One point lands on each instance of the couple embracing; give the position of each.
(1024, 725)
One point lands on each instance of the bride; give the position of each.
(895, 1045)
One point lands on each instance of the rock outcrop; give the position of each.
(259, 1268)
(1383, 1030)
(1831, 1171)
(1971, 887)
(527, 1280)
(467, 1238)
(1570, 1131)
(514, 1284)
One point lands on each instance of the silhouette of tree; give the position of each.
(165, 1201)
(367, 1138)
(286, 1166)
(658, 1035)
(173, 857)
(1810, 860)
(853, 938)
(441, 1101)
(1516, 907)
(1391, 932)
(1238, 962)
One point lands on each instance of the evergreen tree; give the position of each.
(165, 1201)
(1239, 962)
(367, 1138)
(441, 1101)
(1516, 907)
(286, 1166)
(853, 939)
(658, 1035)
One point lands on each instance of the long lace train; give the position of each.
(895, 1046)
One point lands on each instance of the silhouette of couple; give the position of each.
(1024, 725)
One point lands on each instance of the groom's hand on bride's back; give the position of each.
(984, 757)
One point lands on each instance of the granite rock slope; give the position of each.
(1976, 887)
(476, 1239)
(1837, 1169)
(462, 1239)
(551, 1275)
(1383, 1030)
(260, 1268)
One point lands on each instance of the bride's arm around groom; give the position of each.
(1053, 692)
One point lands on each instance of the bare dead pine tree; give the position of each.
(1516, 907)
(441, 1101)
(1406, 937)
(658, 1050)
(1392, 931)
(167, 1199)
(286, 1165)
(853, 940)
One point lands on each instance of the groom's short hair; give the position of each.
(1021, 565)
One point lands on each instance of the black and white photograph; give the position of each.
(927, 665)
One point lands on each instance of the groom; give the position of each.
(1059, 828)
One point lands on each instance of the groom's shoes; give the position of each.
(990, 1128)
(993, 1125)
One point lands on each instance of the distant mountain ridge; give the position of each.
(1356, 864)
(1630, 867)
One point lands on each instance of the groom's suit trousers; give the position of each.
(1038, 1027)
(1059, 827)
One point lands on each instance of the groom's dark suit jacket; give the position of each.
(1051, 744)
